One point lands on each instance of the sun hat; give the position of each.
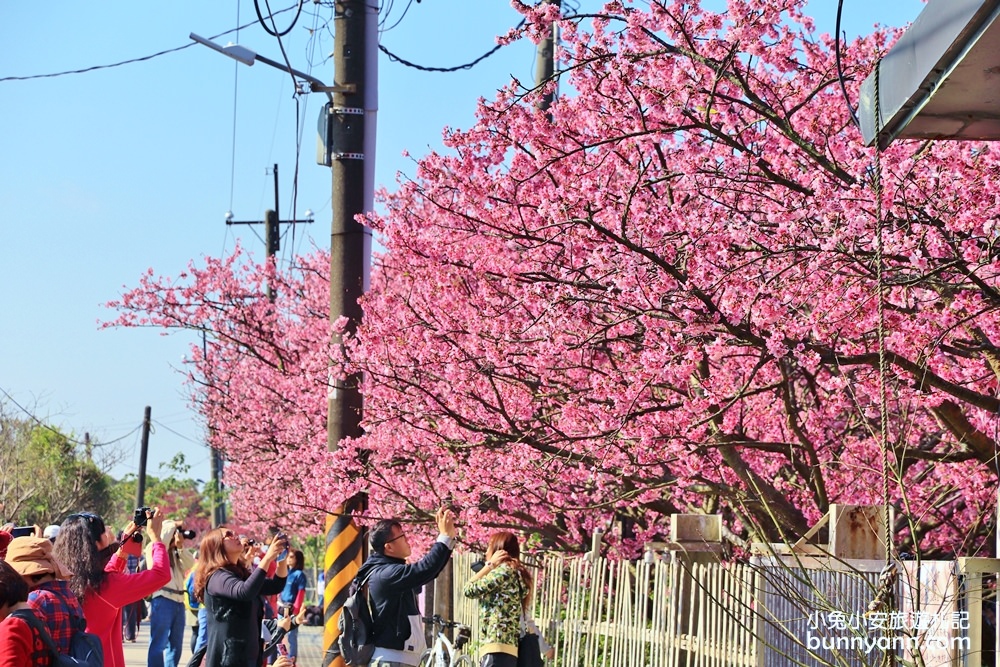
(31, 556)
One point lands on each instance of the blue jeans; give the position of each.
(166, 632)
(293, 641)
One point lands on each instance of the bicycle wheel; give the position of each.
(426, 659)
(463, 661)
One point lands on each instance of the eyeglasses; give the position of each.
(89, 516)
(395, 538)
(228, 535)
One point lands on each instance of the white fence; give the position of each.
(602, 613)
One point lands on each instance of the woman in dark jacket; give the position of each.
(232, 596)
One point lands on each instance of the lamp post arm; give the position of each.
(315, 84)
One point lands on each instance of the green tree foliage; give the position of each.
(46, 474)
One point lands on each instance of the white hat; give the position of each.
(51, 532)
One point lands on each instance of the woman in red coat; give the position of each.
(20, 646)
(88, 549)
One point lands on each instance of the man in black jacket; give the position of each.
(393, 587)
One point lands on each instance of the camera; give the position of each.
(22, 531)
(140, 517)
(188, 534)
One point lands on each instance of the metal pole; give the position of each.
(140, 494)
(545, 61)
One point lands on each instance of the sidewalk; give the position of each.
(310, 647)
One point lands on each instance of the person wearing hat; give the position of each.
(48, 584)
(51, 532)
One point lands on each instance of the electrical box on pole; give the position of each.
(272, 234)
(341, 134)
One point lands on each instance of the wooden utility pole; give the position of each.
(140, 494)
(272, 229)
(351, 126)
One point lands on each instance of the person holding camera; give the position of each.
(89, 550)
(231, 593)
(166, 609)
(393, 586)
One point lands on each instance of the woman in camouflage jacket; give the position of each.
(503, 588)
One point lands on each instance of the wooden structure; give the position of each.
(681, 606)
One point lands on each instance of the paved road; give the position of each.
(310, 647)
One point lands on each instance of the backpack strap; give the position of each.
(29, 617)
(364, 582)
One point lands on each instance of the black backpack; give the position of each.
(85, 648)
(356, 642)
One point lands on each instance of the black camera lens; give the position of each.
(188, 534)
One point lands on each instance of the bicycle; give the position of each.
(443, 652)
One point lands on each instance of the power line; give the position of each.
(406, 10)
(402, 61)
(132, 60)
(39, 422)
(840, 68)
(275, 32)
(178, 434)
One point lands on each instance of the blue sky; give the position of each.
(108, 173)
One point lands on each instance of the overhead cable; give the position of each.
(42, 424)
(397, 59)
(840, 69)
(132, 60)
(273, 30)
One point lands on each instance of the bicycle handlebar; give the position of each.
(436, 619)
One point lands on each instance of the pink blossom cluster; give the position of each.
(660, 295)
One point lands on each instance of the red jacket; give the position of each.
(103, 608)
(20, 646)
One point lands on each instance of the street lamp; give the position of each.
(248, 57)
(334, 141)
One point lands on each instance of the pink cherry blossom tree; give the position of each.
(660, 295)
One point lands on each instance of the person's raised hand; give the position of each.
(497, 557)
(446, 522)
(154, 524)
(273, 551)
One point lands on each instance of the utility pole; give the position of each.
(272, 229)
(215, 462)
(545, 61)
(351, 130)
(140, 494)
